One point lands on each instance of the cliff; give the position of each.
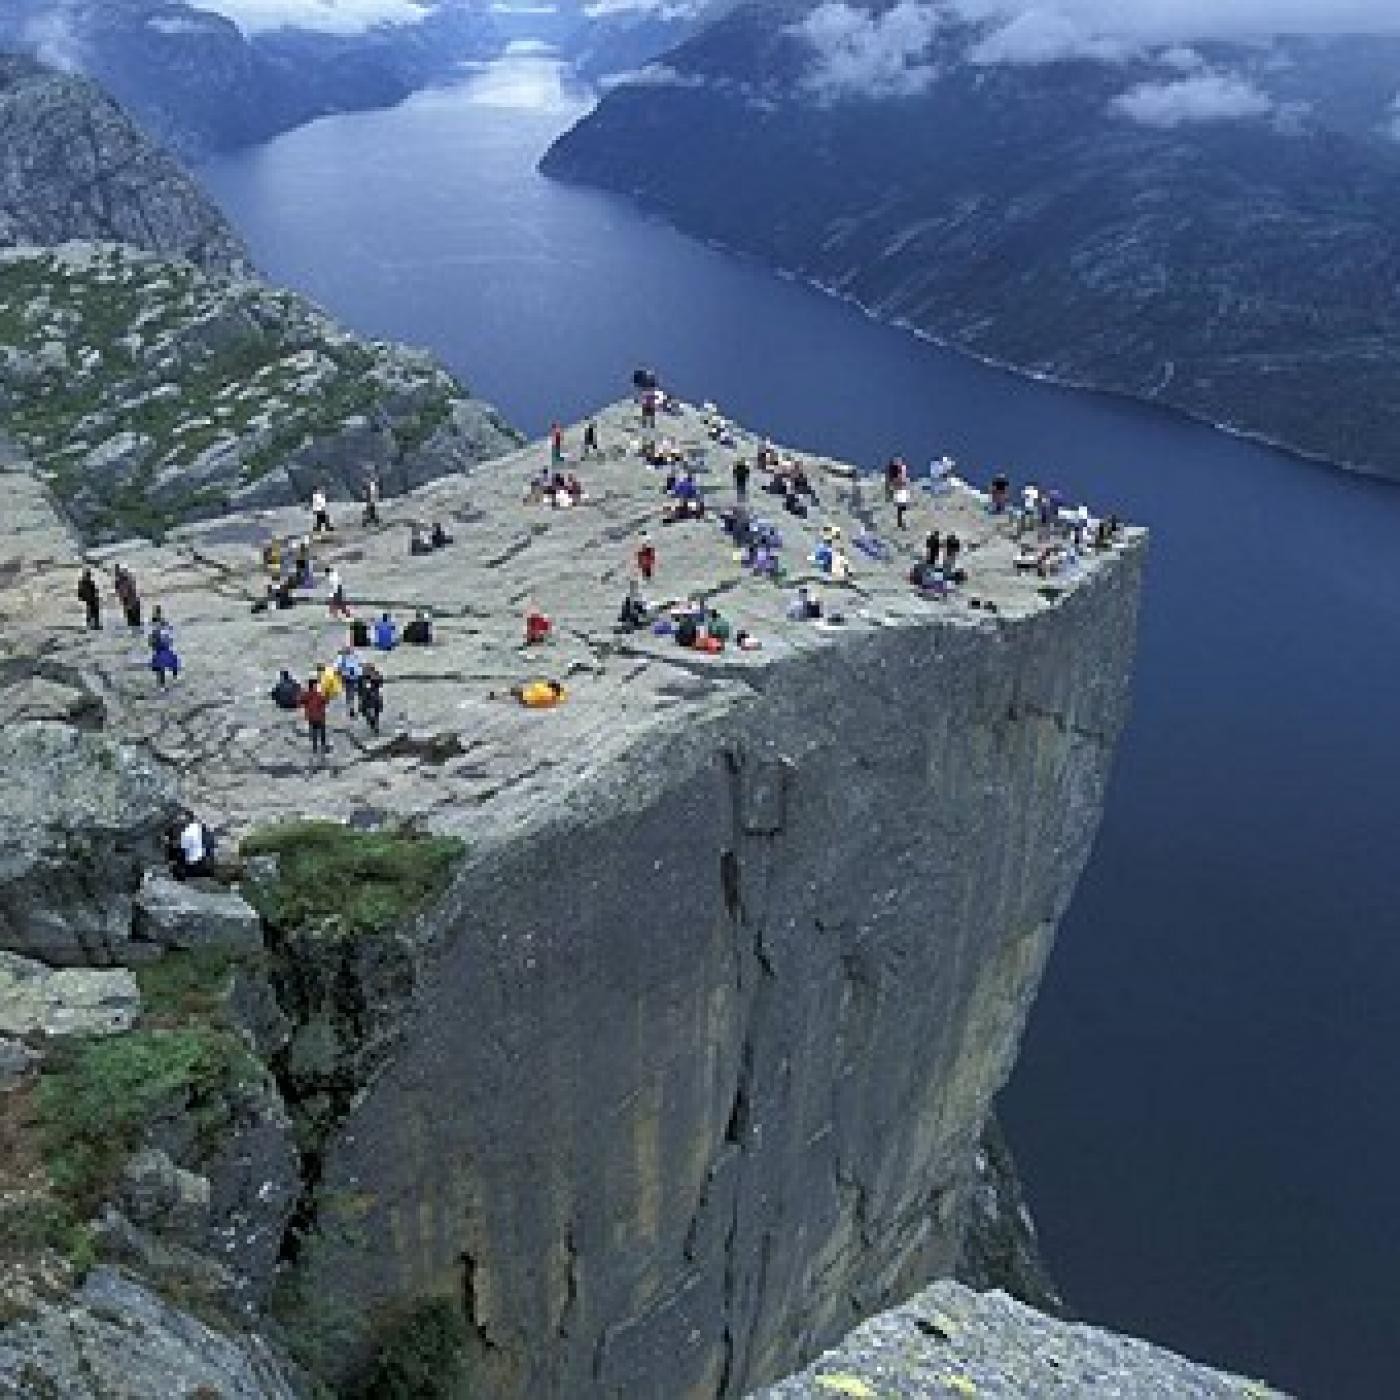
(1100, 219)
(73, 165)
(656, 1049)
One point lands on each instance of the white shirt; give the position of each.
(333, 582)
(318, 500)
(192, 844)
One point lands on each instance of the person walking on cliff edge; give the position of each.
(91, 601)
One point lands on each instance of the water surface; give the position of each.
(1205, 1106)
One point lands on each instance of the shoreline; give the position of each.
(1365, 471)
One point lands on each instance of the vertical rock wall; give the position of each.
(701, 1058)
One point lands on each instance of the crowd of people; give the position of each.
(1050, 536)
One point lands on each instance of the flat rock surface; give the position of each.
(39, 1000)
(454, 749)
(950, 1343)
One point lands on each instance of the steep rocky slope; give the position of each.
(680, 1064)
(73, 165)
(148, 392)
(1213, 229)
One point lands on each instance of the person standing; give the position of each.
(313, 706)
(165, 660)
(932, 547)
(372, 696)
(350, 671)
(901, 503)
(590, 440)
(741, 479)
(371, 515)
(335, 587)
(130, 599)
(320, 513)
(646, 559)
(556, 443)
(88, 597)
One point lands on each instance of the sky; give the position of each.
(331, 16)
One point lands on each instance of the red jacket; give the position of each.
(314, 703)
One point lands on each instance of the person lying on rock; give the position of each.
(419, 631)
(439, 539)
(539, 695)
(286, 694)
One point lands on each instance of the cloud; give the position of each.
(644, 9)
(1203, 97)
(325, 16)
(860, 54)
(1047, 36)
(654, 75)
(54, 41)
(1155, 22)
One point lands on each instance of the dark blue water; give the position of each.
(1206, 1105)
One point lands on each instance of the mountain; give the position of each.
(73, 165)
(1214, 228)
(150, 379)
(198, 83)
(609, 40)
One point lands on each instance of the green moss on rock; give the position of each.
(334, 880)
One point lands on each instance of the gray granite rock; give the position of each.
(73, 165)
(39, 1000)
(80, 817)
(154, 1192)
(116, 1340)
(950, 1343)
(16, 1060)
(181, 914)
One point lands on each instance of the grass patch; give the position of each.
(185, 986)
(334, 880)
(422, 1356)
(96, 1098)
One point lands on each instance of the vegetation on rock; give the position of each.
(334, 880)
(97, 1098)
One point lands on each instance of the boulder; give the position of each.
(15, 1061)
(35, 999)
(176, 914)
(115, 1338)
(80, 818)
(158, 1194)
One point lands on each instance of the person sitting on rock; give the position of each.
(717, 625)
(439, 539)
(91, 600)
(286, 694)
(633, 615)
(419, 631)
(192, 850)
(803, 607)
(573, 488)
(537, 627)
(420, 542)
(386, 634)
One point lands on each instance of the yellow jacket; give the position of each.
(540, 695)
(329, 683)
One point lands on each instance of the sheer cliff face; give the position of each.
(73, 166)
(705, 1049)
(1241, 270)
